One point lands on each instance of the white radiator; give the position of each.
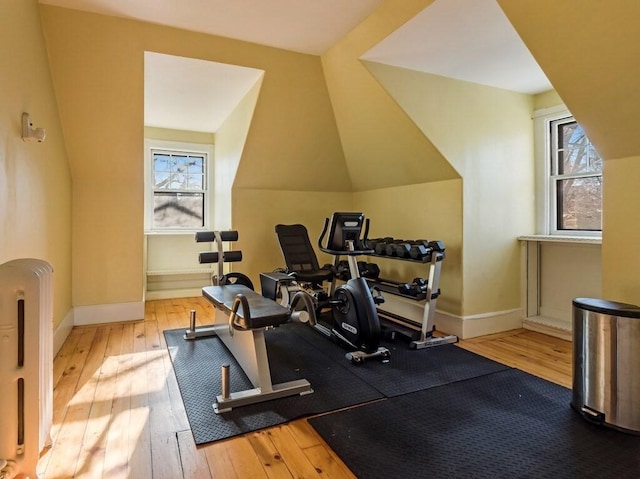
(26, 364)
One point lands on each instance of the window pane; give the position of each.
(177, 182)
(196, 165)
(178, 171)
(579, 204)
(182, 210)
(179, 164)
(161, 162)
(161, 180)
(576, 154)
(195, 182)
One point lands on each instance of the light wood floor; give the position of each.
(118, 412)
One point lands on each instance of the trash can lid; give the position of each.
(611, 308)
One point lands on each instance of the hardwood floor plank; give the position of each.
(523, 350)
(268, 455)
(304, 434)
(71, 358)
(116, 461)
(139, 443)
(94, 441)
(193, 459)
(244, 459)
(162, 424)
(295, 459)
(326, 464)
(65, 355)
(69, 437)
(165, 455)
(219, 461)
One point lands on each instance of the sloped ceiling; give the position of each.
(190, 94)
(464, 39)
(470, 40)
(590, 51)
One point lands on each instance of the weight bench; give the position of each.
(240, 322)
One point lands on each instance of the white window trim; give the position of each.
(197, 148)
(545, 199)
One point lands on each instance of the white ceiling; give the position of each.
(193, 95)
(464, 39)
(306, 26)
(469, 40)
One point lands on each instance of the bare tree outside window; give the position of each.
(576, 178)
(178, 189)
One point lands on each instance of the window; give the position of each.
(569, 177)
(576, 178)
(178, 195)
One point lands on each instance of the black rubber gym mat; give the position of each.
(409, 370)
(197, 367)
(504, 425)
(296, 351)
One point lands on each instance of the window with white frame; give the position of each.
(177, 186)
(569, 177)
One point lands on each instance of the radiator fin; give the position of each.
(26, 362)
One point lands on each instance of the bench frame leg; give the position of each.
(250, 350)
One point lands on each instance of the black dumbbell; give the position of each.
(367, 244)
(369, 270)
(390, 248)
(419, 252)
(421, 283)
(362, 268)
(408, 289)
(436, 246)
(402, 250)
(343, 272)
(381, 244)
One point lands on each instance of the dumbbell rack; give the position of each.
(430, 297)
(388, 286)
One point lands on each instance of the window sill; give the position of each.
(562, 239)
(172, 232)
(174, 272)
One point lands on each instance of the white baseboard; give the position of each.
(464, 327)
(108, 313)
(550, 327)
(62, 331)
(173, 293)
(491, 323)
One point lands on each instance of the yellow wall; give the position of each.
(35, 183)
(547, 99)
(383, 147)
(620, 252)
(430, 211)
(257, 212)
(486, 134)
(167, 134)
(589, 50)
(97, 66)
(230, 141)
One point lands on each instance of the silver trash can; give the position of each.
(606, 363)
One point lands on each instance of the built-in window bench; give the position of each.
(176, 283)
(555, 270)
(172, 269)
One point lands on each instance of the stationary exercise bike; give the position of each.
(351, 307)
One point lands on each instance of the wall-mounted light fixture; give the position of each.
(29, 133)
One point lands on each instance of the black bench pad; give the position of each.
(263, 312)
